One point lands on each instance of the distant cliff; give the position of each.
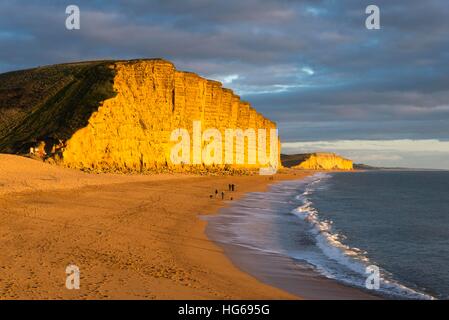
(317, 161)
(114, 115)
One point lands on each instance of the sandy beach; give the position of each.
(133, 237)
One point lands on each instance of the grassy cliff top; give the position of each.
(50, 102)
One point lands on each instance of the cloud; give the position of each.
(405, 145)
(308, 70)
(310, 65)
(227, 79)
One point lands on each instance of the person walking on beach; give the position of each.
(222, 195)
(216, 193)
(229, 187)
(233, 187)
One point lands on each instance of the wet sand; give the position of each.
(133, 237)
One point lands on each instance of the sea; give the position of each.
(351, 227)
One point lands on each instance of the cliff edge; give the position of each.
(115, 115)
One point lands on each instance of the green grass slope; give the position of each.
(290, 160)
(50, 103)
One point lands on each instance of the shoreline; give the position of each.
(133, 237)
(294, 276)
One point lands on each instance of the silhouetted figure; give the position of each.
(222, 195)
(233, 187)
(216, 192)
(229, 187)
(232, 199)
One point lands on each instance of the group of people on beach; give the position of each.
(231, 188)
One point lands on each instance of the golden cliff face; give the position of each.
(131, 132)
(325, 161)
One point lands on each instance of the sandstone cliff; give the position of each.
(317, 161)
(118, 115)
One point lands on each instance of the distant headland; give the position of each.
(316, 161)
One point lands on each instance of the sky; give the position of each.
(380, 97)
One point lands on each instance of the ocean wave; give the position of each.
(266, 222)
(332, 246)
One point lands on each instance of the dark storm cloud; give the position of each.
(312, 66)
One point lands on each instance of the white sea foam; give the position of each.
(330, 243)
(258, 222)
